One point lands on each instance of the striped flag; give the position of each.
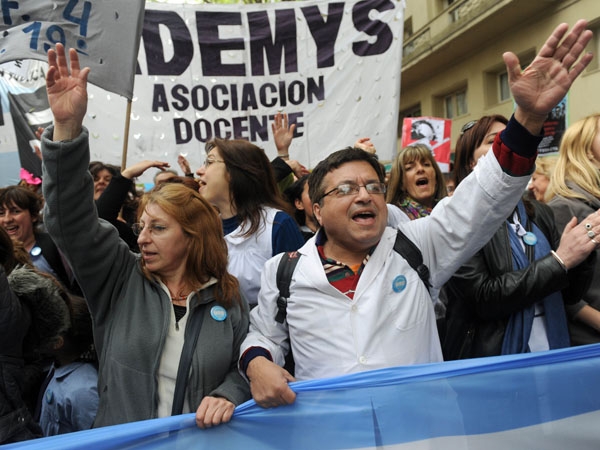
(547, 400)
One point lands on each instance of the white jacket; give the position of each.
(391, 320)
(248, 254)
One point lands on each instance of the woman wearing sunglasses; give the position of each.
(509, 298)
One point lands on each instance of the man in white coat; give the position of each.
(356, 304)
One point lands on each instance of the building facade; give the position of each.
(452, 63)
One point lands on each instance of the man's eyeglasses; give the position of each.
(154, 229)
(467, 126)
(208, 161)
(345, 189)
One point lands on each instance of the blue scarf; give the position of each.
(518, 330)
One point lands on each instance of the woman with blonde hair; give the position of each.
(544, 165)
(168, 323)
(416, 182)
(574, 191)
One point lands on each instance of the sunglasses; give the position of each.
(467, 126)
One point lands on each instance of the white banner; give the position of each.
(226, 70)
(105, 33)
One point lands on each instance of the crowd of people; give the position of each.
(121, 306)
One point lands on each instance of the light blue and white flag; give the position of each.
(548, 400)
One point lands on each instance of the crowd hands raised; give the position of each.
(190, 276)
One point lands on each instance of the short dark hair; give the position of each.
(23, 198)
(293, 193)
(335, 160)
(96, 167)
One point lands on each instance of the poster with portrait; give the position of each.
(554, 127)
(432, 131)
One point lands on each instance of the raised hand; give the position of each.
(67, 92)
(139, 168)
(298, 169)
(545, 82)
(366, 145)
(282, 134)
(184, 164)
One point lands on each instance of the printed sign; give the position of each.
(434, 133)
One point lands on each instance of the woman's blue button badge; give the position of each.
(218, 313)
(530, 238)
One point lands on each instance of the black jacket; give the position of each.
(16, 422)
(53, 256)
(109, 204)
(486, 291)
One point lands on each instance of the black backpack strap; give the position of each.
(192, 331)
(409, 251)
(285, 270)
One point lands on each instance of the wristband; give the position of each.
(560, 261)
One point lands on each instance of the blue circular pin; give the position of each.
(35, 251)
(399, 283)
(49, 395)
(218, 313)
(530, 238)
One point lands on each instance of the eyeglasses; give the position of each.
(345, 189)
(467, 126)
(154, 229)
(208, 161)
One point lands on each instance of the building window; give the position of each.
(455, 104)
(443, 5)
(503, 87)
(496, 87)
(408, 28)
(594, 46)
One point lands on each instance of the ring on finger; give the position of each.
(588, 226)
(591, 234)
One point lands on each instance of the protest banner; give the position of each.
(226, 70)
(548, 400)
